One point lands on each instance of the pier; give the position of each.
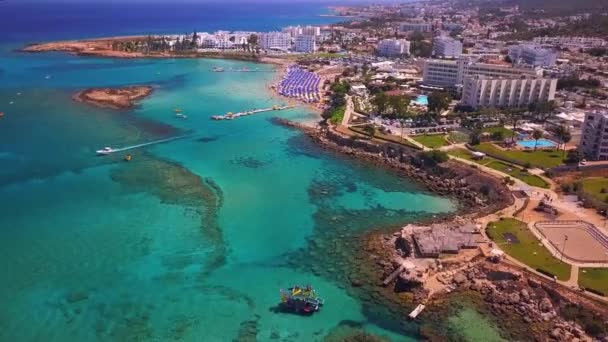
(416, 311)
(394, 275)
(232, 116)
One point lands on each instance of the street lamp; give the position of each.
(564, 247)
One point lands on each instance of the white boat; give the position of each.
(181, 116)
(105, 151)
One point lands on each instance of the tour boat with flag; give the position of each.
(301, 299)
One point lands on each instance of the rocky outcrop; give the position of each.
(531, 299)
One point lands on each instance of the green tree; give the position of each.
(370, 130)
(439, 101)
(400, 106)
(475, 137)
(381, 103)
(574, 156)
(514, 117)
(252, 42)
(563, 134)
(537, 134)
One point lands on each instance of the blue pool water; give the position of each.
(422, 100)
(532, 143)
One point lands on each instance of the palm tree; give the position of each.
(514, 117)
(537, 134)
(564, 136)
(400, 105)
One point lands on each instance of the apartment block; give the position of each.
(594, 138)
(482, 91)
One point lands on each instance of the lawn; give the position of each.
(506, 133)
(496, 164)
(385, 137)
(529, 250)
(594, 278)
(458, 137)
(462, 153)
(518, 173)
(541, 158)
(594, 185)
(431, 140)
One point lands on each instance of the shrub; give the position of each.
(433, 157)
(527, 165)
(567, 187)
(594, 328)
(545, 272)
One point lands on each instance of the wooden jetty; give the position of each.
(393, 275)
(416, 311)
(232, 116)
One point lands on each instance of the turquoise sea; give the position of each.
(192, 239)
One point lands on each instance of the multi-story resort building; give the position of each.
(275, 41)
(295, 31)
(393, 47)
(305, 43)
(594, 139)
(482, 91)
(416, 27)
(451, 73)
(533, 54)
(571, 42)
(447, 47)
(452, 26)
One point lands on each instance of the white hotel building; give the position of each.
(571, 42)
(416, 27)
(295, 31)
(594, 139)
(305, 43)
(533, 54)
(275, 41)
(451, 73)
(393, 47)
(483, 91)
(447, 47)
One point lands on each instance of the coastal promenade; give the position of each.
(523, 210)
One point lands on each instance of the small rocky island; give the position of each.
(114, 98)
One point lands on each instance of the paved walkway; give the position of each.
(348, 111)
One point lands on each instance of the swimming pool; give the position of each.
(422, 100)
(541, 143)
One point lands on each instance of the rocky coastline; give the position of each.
(477, 193)
(114, 98)
(103, 47)
(527, 307)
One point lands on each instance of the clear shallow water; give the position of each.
(191, 240)
(95, 252)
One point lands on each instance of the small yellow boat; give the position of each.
(128, 157)
(178, 110)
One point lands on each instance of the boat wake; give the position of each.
(109, 150)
